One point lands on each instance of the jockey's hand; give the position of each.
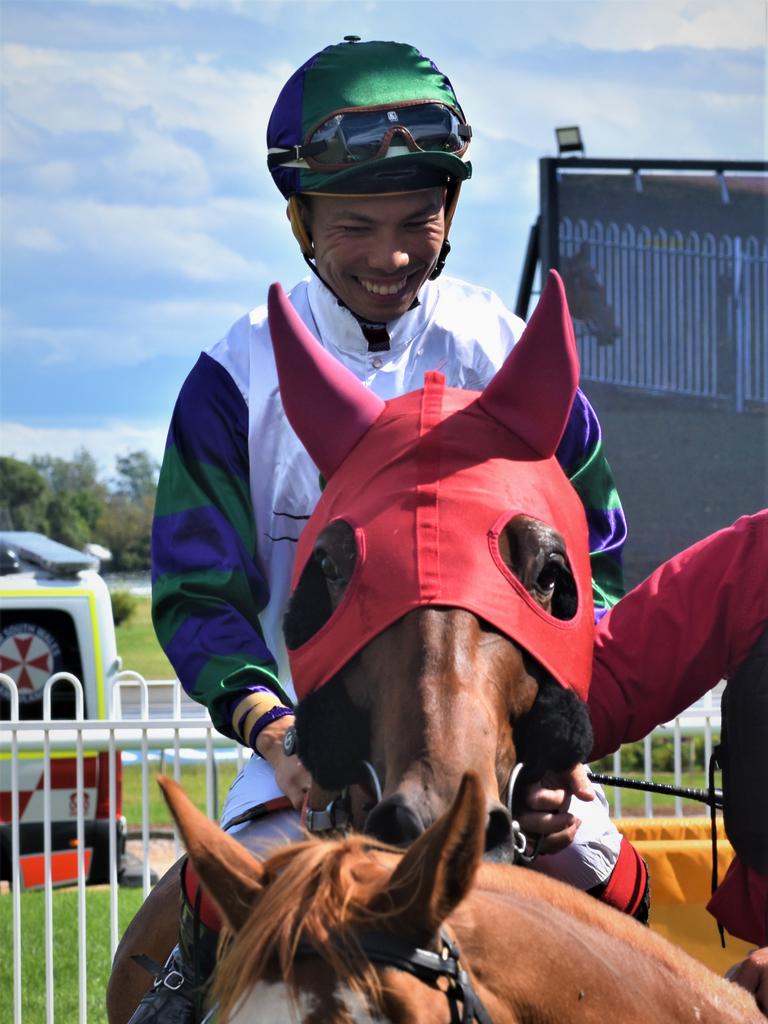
(752, 974)
(544, 814)
(290, 774)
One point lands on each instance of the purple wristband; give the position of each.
(270, 716)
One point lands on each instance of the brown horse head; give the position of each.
(444, 573)
(338, 931)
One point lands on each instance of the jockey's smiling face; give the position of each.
(375, 252)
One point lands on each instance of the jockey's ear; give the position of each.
(231, 875)
(438, 869)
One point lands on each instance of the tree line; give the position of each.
(72, 502)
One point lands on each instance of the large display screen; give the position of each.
(667, 280)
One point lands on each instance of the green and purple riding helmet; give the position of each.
(367, 119)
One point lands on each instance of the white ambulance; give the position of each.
(56, 616)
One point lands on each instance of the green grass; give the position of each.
(192, 779)
(65, 936)
(138, 647)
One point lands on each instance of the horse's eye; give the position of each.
(553, 576)
(327, 565)
(547, 578)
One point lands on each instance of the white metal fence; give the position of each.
(147, 720)
(152, 720)
(670, 313)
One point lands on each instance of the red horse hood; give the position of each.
(428, 481)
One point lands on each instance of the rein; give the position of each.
(390, 951)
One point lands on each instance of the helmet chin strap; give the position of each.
(445, 248)
(299, 229)
(451, 202)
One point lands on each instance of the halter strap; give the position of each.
(391, 951)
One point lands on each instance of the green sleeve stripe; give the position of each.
(183, 487)
(176, 597)
(594, 483)
(607, 581)
(225, 676)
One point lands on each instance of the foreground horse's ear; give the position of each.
(438, 869)
(325, 403)
(230, 874)
(533, 392)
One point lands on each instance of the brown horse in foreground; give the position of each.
(344, 930)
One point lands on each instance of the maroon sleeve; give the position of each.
(688, 625)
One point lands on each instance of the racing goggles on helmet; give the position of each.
(350, 137)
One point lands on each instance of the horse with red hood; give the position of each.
(443, 580)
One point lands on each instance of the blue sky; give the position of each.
(138, 217)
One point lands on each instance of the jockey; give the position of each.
(367, 142)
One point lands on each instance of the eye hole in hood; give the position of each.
(535, 553)
(322, 584)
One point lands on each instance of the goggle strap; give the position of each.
(295, 153)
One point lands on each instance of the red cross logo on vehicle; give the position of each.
(29, 654)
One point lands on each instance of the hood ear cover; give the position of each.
(317, 389)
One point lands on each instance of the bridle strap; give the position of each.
(334, 815)
(389, 950)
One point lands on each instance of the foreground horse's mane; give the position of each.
(317, 891)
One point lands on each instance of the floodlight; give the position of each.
(569, 140)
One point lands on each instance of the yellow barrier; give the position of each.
(678, 854)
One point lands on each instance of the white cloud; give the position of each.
(611, 24)
(54, 175)
(643, 105)
(104, 442)
(187, 242)
(494, 28)
(39, 239)
(65, 92)
(153, 164)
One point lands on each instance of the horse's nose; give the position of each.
(393, 822)
(498, 834)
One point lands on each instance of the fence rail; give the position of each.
(155, 733)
